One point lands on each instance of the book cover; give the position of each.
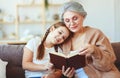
(72, 60)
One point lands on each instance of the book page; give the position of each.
(58, 53)
(72, 53)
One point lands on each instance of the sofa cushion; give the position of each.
(13, 55)
(3, 68)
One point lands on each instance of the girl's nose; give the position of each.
(60, 38)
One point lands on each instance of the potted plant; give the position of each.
(46, 4)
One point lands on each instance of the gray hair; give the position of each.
(72, 6)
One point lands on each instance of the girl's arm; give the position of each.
(27, 62)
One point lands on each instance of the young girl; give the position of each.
(36, 51)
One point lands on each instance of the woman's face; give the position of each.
(58, 35)
(73, 20)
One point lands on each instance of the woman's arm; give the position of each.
(100, 50)
(103, 56)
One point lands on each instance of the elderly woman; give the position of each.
(90, 42)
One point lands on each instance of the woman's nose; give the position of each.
(72, 22)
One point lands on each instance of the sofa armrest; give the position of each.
(116, 48)
(13, 55)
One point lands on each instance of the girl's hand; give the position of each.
(88, 49)
(49, 66)
(69, 72)
(49, 69)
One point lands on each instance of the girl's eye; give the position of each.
(60, 32)
(63, 38)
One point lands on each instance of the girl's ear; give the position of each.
(52, 28)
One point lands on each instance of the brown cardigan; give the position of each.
(101, 63)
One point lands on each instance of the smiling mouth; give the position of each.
(56, 40)
(73, 27)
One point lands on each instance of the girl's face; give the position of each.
(58, 35)
(73, 20)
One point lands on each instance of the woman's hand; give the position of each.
(69, 72)
(88, 49)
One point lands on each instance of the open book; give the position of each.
(71, 60)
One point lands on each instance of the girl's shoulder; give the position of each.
(34, 41)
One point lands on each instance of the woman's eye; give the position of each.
(74, 18)
(66, 20)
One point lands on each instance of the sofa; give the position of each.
(13, 55)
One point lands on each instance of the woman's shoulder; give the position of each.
(93, 30)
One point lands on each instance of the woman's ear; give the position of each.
(52, 28)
